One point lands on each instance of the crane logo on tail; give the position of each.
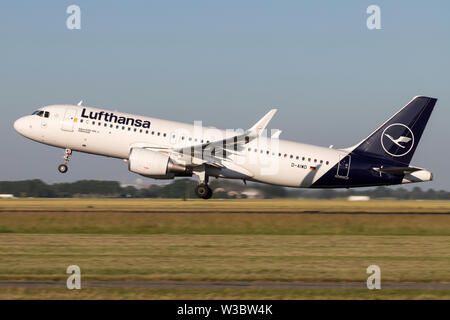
(400, 139)
(397, 140)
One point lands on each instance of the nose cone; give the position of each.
(19, 125)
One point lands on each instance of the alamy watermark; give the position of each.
(231, 145)
(373, 21)
(74, 280)
(374, 280)
(73, 21)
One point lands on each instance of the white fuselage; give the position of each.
(264, 159)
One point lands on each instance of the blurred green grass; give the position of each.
(224, 257)
(125, 240)
(223, 217)
(224, 294)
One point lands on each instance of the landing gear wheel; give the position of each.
(203, 191)
(62, 168)
(209, 194)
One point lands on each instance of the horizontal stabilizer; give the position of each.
(397, 171)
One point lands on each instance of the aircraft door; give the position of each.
(69, 119)
(343, 168)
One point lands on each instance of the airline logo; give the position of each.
(111, 117)
(397, 140)
(401, 139)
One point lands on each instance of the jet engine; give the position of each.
(155, 164)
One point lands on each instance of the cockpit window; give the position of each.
(46, 114)
(40, 113)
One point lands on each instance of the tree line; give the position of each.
(184, 188)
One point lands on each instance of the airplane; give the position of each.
(162, 149)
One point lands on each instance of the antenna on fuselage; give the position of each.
(80, 103)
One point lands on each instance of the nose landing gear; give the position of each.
(63, 167)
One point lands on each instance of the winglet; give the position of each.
(276, 134)
(258, 128)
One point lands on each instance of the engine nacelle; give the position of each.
(154, 164)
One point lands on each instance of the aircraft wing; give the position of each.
(215, 152)
(218, 149)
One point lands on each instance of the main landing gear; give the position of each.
(63, 167)
(202, 190)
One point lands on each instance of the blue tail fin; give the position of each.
(397, 138)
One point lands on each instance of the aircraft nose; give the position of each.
(19, 125)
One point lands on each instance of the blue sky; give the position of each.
(226, 63)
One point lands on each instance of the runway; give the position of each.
(234, 285)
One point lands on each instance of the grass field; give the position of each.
(224, 241)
